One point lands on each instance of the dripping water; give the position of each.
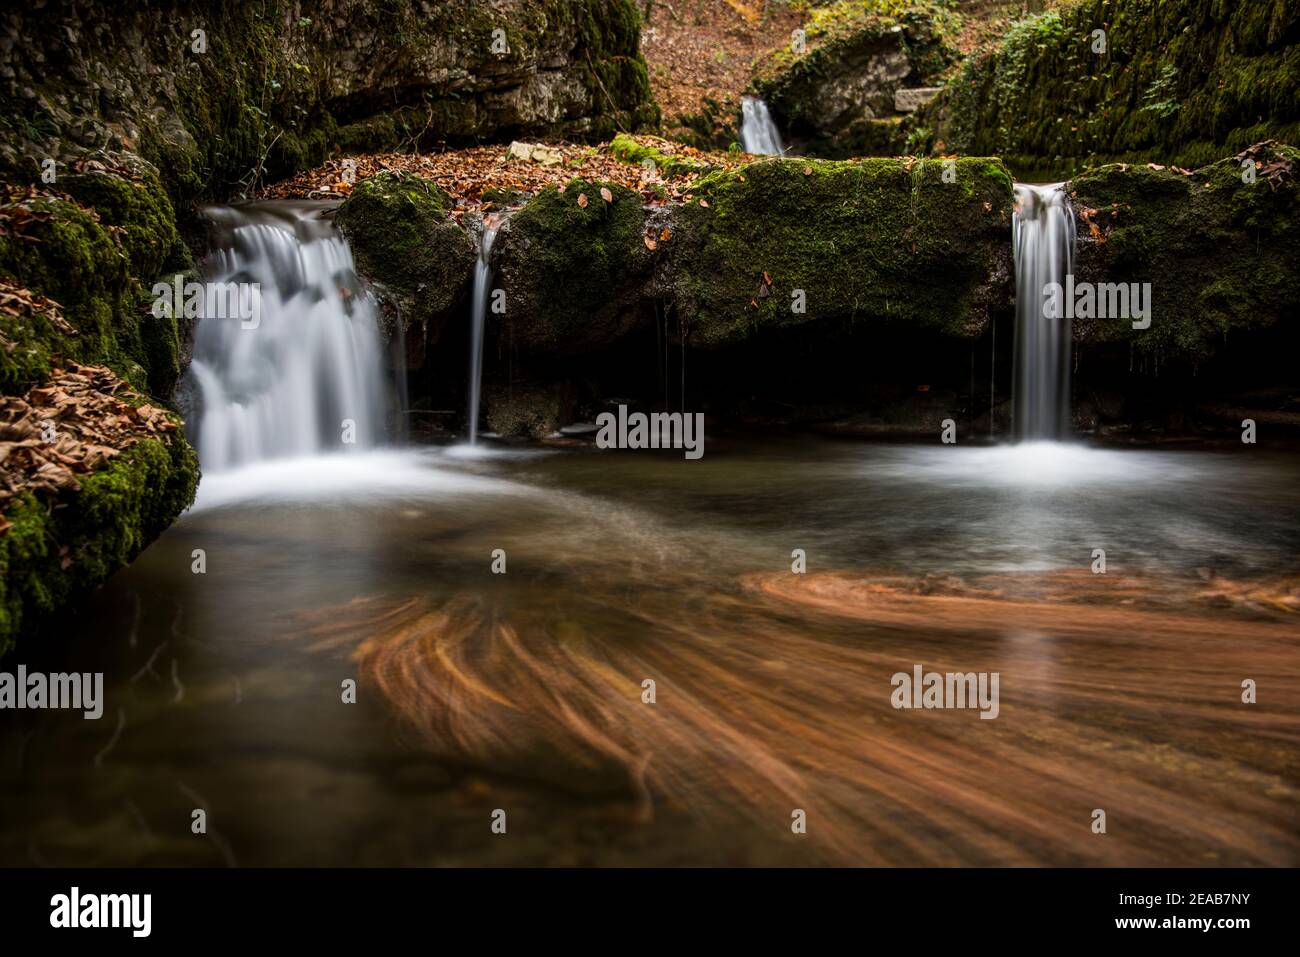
(478, 320)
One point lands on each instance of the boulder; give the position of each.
(831, 95)
(1221, 252)
(784, 242)
(404, 243)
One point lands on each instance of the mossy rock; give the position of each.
(141, 209)
(402, 238)
(119, 510)
(850, 241)
(643, 151)
(573, 274)
(1222, 255)
(1180, 82)
(836, 96)
(73, 258)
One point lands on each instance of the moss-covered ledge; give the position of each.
(783, 243)
(1222, 254)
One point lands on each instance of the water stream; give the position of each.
(306, 375)
(1043, 237)
(522, 690)
(758, 132)
(478, 321)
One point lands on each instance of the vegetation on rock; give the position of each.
(403, 239)
(1179, 81)
(836, 95)
(1220, 248)
(788, 242)
(573, 263)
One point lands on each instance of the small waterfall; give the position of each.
(478, 319)
(758, 133)
(308, 375)
(1043, 243)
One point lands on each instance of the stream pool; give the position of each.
(524, 691)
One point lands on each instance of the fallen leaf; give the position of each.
(582, 200)
(606, 195)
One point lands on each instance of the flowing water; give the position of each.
(1043, 236)
(506, 615)
(307, 376)
(478, 321)
(523, 691)
(758, 132)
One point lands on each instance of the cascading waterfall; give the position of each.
(308, 376)
(758, 132)
(1043, 243)
(478, 319)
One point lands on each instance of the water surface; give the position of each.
(523, 691)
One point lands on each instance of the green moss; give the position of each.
(1180, 81)
(629, 149)
(141, 209)
(402, 238)
(74, 259)
(119, 510)
(1221, 255)
(867, 240)
(572, 273)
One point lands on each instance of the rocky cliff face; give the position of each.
(876, 284)
(219, 94)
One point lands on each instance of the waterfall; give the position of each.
(478, 319)
(758, 134)
(306, 374)
(1043, 244)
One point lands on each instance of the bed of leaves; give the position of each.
(71, 425)
(467, 174)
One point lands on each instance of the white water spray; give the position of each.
(309, 378)
(758, 132)
(1043, 242)
(478, 320)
